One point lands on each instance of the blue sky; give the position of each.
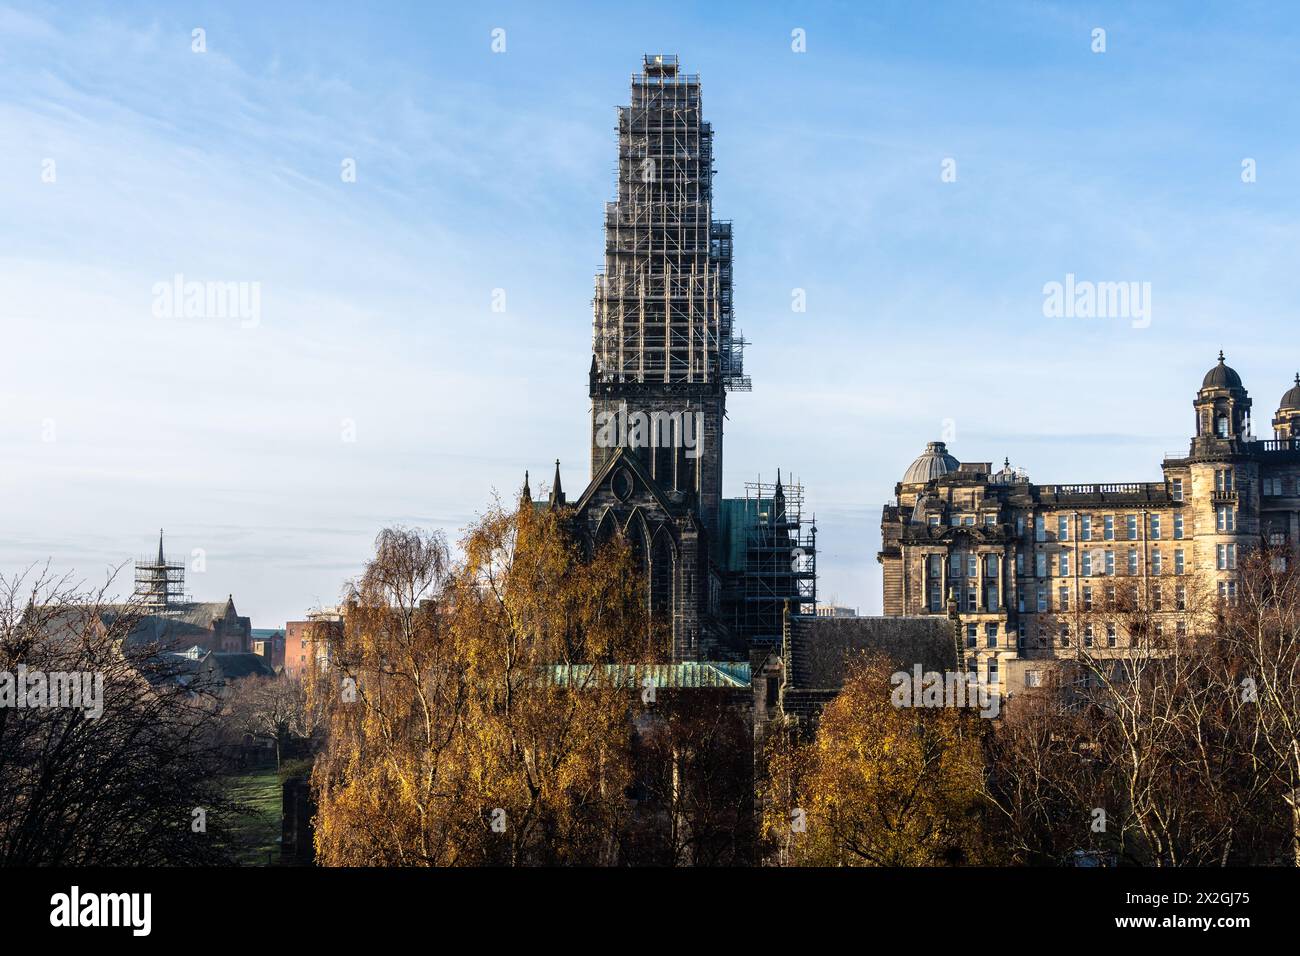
(479, 171)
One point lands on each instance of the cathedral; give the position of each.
(1028, 570)
(665, 356)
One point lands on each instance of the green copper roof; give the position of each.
(688, 674)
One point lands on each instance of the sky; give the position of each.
(920, 171)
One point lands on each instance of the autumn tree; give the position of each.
(474, 713)
(878, 784)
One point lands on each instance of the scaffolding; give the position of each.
(663, 309)
(159, 580)
(777, 558)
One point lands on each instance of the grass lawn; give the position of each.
(257, 833)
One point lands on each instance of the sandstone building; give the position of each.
(1023, 564)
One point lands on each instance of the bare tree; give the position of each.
(130, 779)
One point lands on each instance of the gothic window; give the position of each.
(662, 573)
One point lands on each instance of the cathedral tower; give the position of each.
(664, 349)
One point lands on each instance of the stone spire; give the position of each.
(557, 491)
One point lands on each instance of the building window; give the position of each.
(1155, 562)
(1180, 629)
(1086, 560)
(1110, 562)
(1020, 636)
(991, 565)
(1272, 486)
(934, 520)
(1063, 528)
(972, 566)
(1040, 529)
(1087, 597)
(1087, 635)
(1180, 597)
(955, 565)
(936, 598)
(972, 599)
(1132, 561)
(1178, 561)
(1020, 599)
(1112, 638)
(991, 635)
(1020, 562)
(1178, 526)
(1155, 527)
(1020, 526)
(1065, 635)
(1131, 524)
(1178, 489)
(993, 670)
(1157, 598)
(1065, 564)
(1042, 599)
(1108, 527)
(991, 597)
(1063, 598)
(972, 635)
(1040, 565)
(1222, 426)
(1225, 519)
(1085, 527)
(1223, 479)
(1110, 596)
(1033, 678)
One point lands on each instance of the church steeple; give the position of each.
(557, 492)
(526, 493)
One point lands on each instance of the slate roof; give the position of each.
(817, 649)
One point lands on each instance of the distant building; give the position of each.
(269, 644)
(835, 610)
(214, 669)
(306, 643)
(170, 619)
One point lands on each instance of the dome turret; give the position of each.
(934, 462)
